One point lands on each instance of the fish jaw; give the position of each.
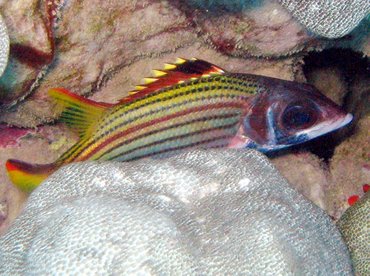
(326, 127)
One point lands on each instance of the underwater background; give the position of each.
(102, 49)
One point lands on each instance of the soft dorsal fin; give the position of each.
(180, 71)
(79, 113)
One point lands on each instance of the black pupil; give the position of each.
(297, 116)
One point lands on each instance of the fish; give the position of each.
(189, 103)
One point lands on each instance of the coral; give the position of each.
(108, 52)
(197, 213)
(266, 31)
(355, 228)
(4, 46)
(309, 176)
(326, 18)
(321, 17)
(30, 26)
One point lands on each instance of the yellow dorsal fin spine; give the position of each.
(169, 66)
(159, 73)
(180, 61)
(140, 87)
(149, 80)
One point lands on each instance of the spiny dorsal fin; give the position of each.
(79, 113)
(171, 74)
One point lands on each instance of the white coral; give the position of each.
(332, 19)
(4, 46)
(216, 212)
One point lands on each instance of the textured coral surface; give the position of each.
(210, 212)
(326, 18)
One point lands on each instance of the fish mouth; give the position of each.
(326, 127)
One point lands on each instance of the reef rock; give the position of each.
(331, 19)
(197, 213)
(30, 25)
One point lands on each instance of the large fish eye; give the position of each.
(299, 116)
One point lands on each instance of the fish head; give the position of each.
(287, 113)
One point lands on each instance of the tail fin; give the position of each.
(28, 176)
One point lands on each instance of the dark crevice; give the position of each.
(349, 62)
(353, 70)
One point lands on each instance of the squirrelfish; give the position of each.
(191, 103)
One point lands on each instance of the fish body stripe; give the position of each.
(173, 145)
(153, 123)
(169, 127)
(161, 132)
(206, 97)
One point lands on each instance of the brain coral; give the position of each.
(331, 19)
(355, 228)
(216, 212)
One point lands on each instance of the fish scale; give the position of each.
(191, 103)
